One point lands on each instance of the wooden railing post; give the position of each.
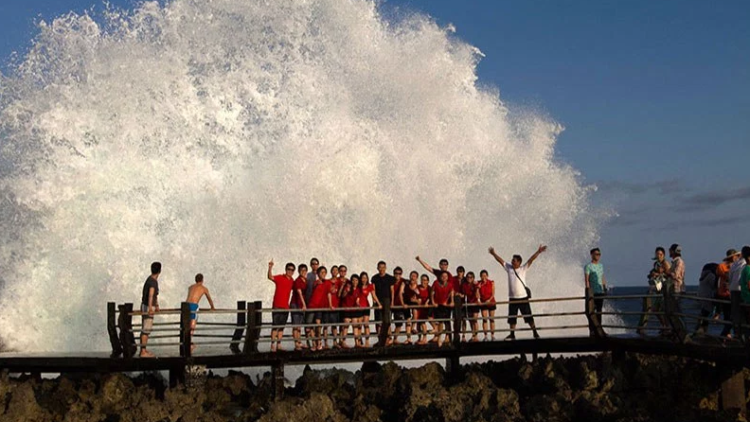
(385, 323)
(241, 321)
(251, 342)
(127, 337)
(594, 319)
(186, 337)
(258, 323)
(458, 320)
(112, 330)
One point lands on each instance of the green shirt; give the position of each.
(596, 277)
(744, 288)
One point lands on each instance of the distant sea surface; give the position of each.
(635, 305)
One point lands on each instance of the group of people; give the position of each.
(729, 281)
(324, 306)
(329, 305)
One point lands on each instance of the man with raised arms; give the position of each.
(517, 289)
(149, 306)
(195, 294)
(281, 297)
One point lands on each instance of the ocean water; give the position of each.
(214, 136)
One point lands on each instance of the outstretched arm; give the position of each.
(538, 252)
(210, 301)
(425, 265)
(270, 267)
(496, 256)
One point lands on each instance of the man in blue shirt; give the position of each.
(593, 273)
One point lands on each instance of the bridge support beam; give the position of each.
(277, 380)
(453, 366)
(732, 389)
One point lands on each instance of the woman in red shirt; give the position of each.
(422, 314)
(368, 289)
(411, 298)
(320, 299)
(487, 300)
(350, 295)
(471, 293)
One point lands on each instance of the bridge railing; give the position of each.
(666, 314)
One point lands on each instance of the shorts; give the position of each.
(311, 316)
(147, 321)
(492, 307)
(401, 315)
(193, 311)
(332, 317)
(353, 314)
(442, 312)
(472, 310)
(279, 318)
(514, 307)
(298, 317)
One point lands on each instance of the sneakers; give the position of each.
(510, 337)
(536, 335)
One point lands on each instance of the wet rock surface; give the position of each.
(583, 388)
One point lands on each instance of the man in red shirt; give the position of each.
(298, 302)
(281, 296)
(321, 299)
(442, 297)
(453, 280)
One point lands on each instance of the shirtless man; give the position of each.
(195, 294)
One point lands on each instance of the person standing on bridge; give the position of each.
(596, 283)
(195, 294)
(149, 306)
(383, 283)
(738, 316)
(723, 292)
(518, 292)
(745, 283)
(281, 296)
(299, 303)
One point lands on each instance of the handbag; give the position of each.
(528, 291)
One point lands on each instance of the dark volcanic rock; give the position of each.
(585, 388)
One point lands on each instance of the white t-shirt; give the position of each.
(735, 272)
(515, 287)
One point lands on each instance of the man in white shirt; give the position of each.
(738, 314)
(518, 291)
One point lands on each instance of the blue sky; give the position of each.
(654, 96)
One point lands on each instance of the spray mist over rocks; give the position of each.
(212, 136)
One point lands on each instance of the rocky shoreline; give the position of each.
(583, 388)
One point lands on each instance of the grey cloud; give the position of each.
(699, 222)
(664, 187)
(709, 200)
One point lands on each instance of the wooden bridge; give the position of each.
(243, 341)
